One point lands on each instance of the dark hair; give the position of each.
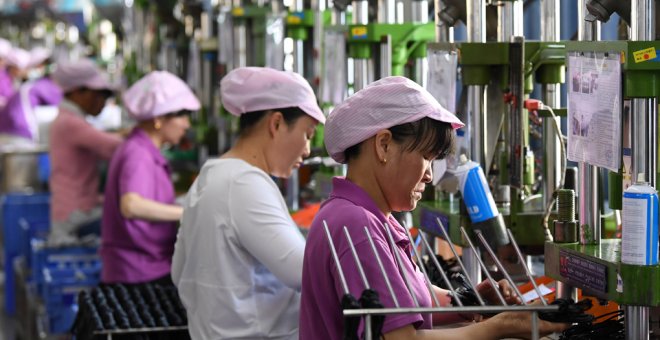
(434, 139)
(250, 119)
(179, 113)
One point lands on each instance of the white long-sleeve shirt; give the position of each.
(238, 256)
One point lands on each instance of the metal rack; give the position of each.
(369, 313)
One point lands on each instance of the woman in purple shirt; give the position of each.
(388, 134)
(140, 217)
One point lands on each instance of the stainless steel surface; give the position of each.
(362, 75)
(399, 263)
(19, 169)
(642, 13)
(535, 326)
(509, 19)
(331, 244)
(443, 33)
(293, 191)
(386, 11)
(468, 309)
(445, 279)
(299, 57)
(363, 276)
(587, 31)
(636, 322)
(421, 267)
(476, 20)
(240, 45)
(420, 11)
(421, 71)
(360, 12)
(382, 268)
(476, 124)
(386, 56)
(566, 291)
(499, 265)
(523, 263)
(468, 275)
(551, 144)
(518, 141)
(589, 209)
(484, 268)
(550, 23)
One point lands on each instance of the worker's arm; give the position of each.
(265, 228)
(504, 325)
(134, 206)
(103, 144)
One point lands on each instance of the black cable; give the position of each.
(569, 312)
(351, 323)
(369, 300)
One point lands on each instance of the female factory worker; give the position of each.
(238, 257)
(75, 149)
(388, 134)
(140, 218)
(18, 118)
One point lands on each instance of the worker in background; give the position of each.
(238, 257)
(18, 120)
(139, 215)
(17, 63)
(6, 83)
(388, 134)
(75, 150)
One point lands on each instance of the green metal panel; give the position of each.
(249, 12)
(640, 284)
(615, 189)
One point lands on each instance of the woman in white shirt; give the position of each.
(238, 257)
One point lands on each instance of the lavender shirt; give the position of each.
(13, 118)
(6, 86)
(133, 250)
(320, 307)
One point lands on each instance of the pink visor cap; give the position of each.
(383, 104)
(71, 75)
(18, 58)
(157, 94)
(250, 89)
(38, 55)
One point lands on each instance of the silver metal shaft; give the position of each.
(342, 278)
(445, 279)
(499, 264)
(445, 235)
(357, 259)
(421, 267)
(382, 268)
(399, 263)
(493, 283)
(636, 322)
(521, 258)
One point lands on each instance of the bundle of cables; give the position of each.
(610, 328)
(368, 300)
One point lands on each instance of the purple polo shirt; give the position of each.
(320, 308)
(40, 92)
(6, 86)
(133, 250)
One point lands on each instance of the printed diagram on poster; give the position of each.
(594, 109)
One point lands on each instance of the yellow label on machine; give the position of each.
(238, 11)
(359, 32)
(644, 55)
(293, 20)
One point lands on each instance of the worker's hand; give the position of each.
(519, 324)
(487, 291)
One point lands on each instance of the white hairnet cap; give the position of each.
(5, 48)
(84, 73)
(159, 93)
(249, 89)
(38, 55)
(19, 58)
(383, 104)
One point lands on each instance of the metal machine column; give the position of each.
(420, 10)
(476, 27)
(361, 66)
(644, 147)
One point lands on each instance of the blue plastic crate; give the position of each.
(43, 258)
(17, 206)
(29, 229)
(61, 318)
(61, 286)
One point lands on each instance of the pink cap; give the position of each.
(18, 58)
(249, 89)
(5, 48)
(159, 93)
(71, 75)
(383, 104)
(38, 55)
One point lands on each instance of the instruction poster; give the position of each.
(594, 109)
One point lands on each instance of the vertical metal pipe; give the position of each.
(443, 33)
(386, 56)
(476, 32)
(361, 66)
(386, 11)
(509, 20)
(360, 12)
(636, 322)
(589, 210)
(420, 10)
(550, 15)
